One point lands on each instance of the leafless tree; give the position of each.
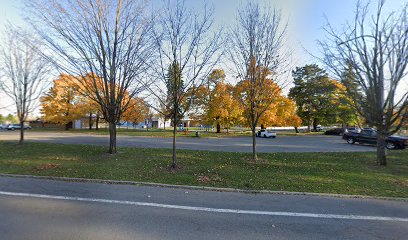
(373, 48)
(187, 51)
(23, 72)
(103, 43)
(256, 41)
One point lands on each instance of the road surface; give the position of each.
(44, 209)
(319, 143)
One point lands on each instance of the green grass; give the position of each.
(343, 173)
(168, 133)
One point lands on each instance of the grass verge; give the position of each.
(342, 173)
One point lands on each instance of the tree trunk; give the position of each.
(308, 124)
(254, 155)
(97, 122)
(21, 133)
(112, 138)
(381, 157)
(262, 126)
(174, 162)
(315, 124)
(296, 129)
(218, 128)
(68, 126)
(90, 121)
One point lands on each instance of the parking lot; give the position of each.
(312, 143)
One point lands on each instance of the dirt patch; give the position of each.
(46, 166)
(207, 179)
(259, 161)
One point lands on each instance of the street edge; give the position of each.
(213, 189)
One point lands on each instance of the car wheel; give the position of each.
(390, 145)
(350, 140)
(12, 129)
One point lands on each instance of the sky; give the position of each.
(305, 20)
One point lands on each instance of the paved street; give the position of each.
(318, 143)
(44, 209)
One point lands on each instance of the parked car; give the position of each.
(266, 134)
(334, 131)
(17, 126)
(2, 126)
(352, 129)
(370, 136)
(319, 128)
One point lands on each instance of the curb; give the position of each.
(213, 189)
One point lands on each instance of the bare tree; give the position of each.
(187, 51)
(103, 43)
(23, 72)
(373, 50)
(256, 42)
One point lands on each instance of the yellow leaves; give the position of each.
(261, 98)
(222, 107)
(63, 104)
(136, 112)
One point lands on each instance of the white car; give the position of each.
(266, 134)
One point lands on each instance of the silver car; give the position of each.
(17, 126)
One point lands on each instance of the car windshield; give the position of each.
(369, 132)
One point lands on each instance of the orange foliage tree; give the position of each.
(63, 104)
(137, 111)
(66, 102)
(217, 102)
(256, 93)
(281, 113)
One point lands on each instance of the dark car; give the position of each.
(334, 131)
(370, 136)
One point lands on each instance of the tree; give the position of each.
(373, 50)
(216, 101)
(11, 119)
(281, 113)
(319, 99)
(63, 103)
(186, 53)
(23, 72)
(2, 119)
(223, 108)
(343, 106)
(256, 51)
(137, 112)
(256, 95)
(104, 43)
(311, 94)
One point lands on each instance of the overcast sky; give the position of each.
(305, 18)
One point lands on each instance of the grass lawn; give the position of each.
(168, 132)
(343, 173)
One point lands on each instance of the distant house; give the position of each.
(158, 122)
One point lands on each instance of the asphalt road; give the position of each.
(315, 143)
(44, 209)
